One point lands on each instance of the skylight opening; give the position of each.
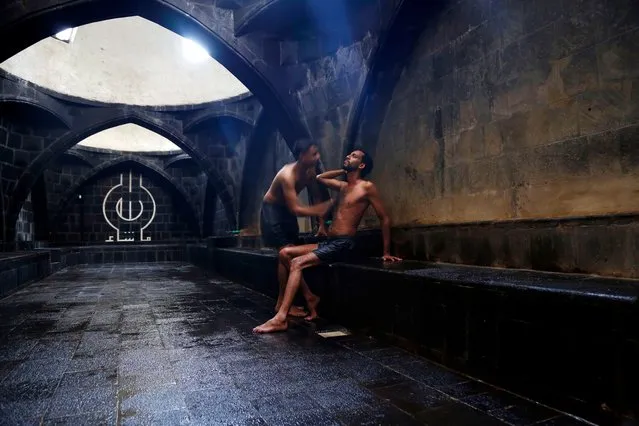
(193, 52)
(66, 35)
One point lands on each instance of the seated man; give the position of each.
(355, 195)
(280, 209)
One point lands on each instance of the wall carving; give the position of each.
(129, 209)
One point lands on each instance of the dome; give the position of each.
(126, 61)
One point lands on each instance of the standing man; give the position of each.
(355, 195)
(279, 212)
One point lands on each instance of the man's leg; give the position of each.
(282, 277)
(287, 254)
(279, 321)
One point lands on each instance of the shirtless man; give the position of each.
(278, 215)
(355, 195)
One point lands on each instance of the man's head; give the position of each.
(358, 160)
(306, 152)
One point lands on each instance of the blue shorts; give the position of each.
(336, 249)
(278, 226)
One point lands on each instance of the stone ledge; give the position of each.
(567, 340)
(18, 269)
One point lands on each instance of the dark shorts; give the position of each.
(278, 226)
(336, 249)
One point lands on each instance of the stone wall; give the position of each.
(20, 144)
(224, 142)
(67, 172)
(512, 138)
(327, 76)
(83, 220)
(516, 110)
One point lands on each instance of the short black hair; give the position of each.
(367, 160)
(303, 145)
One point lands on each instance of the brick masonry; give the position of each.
(519, 110)
(327, 75)
(67, 172)
(213, 134)
(83, 219)
(508, 115)
(505, 112)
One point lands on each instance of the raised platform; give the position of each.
(20, 268)
(568, 340)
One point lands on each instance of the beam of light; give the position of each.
(192, 51)
(66, 35)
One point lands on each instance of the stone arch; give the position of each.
(7, 99)
(177, 159)
(23, 26)
(256, 149)
(394, 50)
(141, 163)
(91, 125)
(213, 115)
(80, 157)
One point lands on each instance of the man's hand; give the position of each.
(389, 258)
(321, 232)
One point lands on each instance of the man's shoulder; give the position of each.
(286, 173)
(286, 168)
(366, 184)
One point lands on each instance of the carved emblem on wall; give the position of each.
(128, 209)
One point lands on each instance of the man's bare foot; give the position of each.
(271, 326)
(312, 307)
(297, 311)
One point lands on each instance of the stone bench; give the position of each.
(20, 268)
(130, 253)
(569, 340)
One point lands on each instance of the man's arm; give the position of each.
(376, 202)
(328, 179)
(314, 189)
(293, 204)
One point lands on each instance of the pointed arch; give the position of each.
(205, 116)
(256, 149)
(103, 120)
(142, 164)
(79, 157)
(177, 159)
(45, 107)
(410, 19)
(22, 26)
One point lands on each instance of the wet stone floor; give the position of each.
(164, 344)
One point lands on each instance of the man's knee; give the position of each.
(297, 264)
(285, 255)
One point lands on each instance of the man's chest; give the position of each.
(351, 197)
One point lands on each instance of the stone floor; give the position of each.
(163, 344)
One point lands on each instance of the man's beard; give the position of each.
(349, 168)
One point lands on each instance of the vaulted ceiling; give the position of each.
(127, 61)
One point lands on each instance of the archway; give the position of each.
(139, 164)
(92, 125)
(23, 26)
(41, 105)
(395, 49)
